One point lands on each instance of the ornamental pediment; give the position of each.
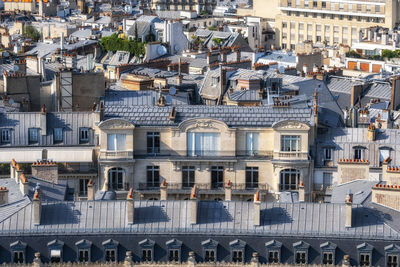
(290, 125)
(116, 124)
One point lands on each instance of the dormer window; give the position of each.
(290, 143)
(33, 135)
(392, 253)
(237, 250)
(328, 250)
(328, 153)
(18, 251)
(55, 250)
(116, 142)
(301, 252)
(58, 135)
(210, 250)
(83, 135)
(110, 250)
(147, 250)
(365, 254)
(174, 250)
(273, 251)
(84, 248)
(358, 152)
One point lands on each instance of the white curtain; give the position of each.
(202, 144)
(116, 142)
(252, 143)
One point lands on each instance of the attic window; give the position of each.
(215, 81)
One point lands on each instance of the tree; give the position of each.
(389, 54)
(31, 32)
(113, 43)
(217, 41)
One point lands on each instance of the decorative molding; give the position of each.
(290, 125)
(202, 123)
(116, 124)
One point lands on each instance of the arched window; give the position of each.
(116, 178)
(290, 179)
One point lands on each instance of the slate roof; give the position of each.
(361, 190)
(222, 218)
(343, 140)
(233, 116)
(140, 98)
(70, 122)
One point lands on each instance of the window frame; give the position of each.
(188, 176)
(210, 246)
(238, 250)
(275, 247)
(146, 248)
(252, 176)
(111, 182)
(301, 247)
(252, 143)
(328, 153)
(392, 250)
(153, 145)
(118, 145)
(152, 172)
(283, 186)
(58, 135)
(286, 143)
(55, 245)
(364, 249)
(110, 245)
(6, 132)
(86, 132)
(30, 139)
(173, 246)
(83, 183)
(217, 176)
(19, 248)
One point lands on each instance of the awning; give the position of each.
(55, 253)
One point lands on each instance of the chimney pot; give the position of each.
(130, 206)
(193, 204)
(349, 210)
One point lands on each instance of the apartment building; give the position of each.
(330, 22)
(184, 5)
(251, 148)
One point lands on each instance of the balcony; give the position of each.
(291, 155)
(215, 187)
(116, 155)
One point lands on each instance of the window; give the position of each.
(327, 258)
(252, 144)
(368, 8)
(377, 8)
(153, 142)
(33, 135)
(5, 135)
(392, 260)
(384, 153)
(306, 3)
(18, 256)
(84, 135)
(146, 255)
(188, 176)
(315, 4)
(273, 256)
(290, 179)
(83, 255)
(365, 259)
(290, 143)
(289, 3)
(237, 256)
(58, 135)
(284, 24)
(83, 187)
(217, 176)
(116, 178)
(349, 6)
(55, 250)
(209, 255)
(300, 257)
(110, 250)
(328, 153)
(173, 255)
(116, 142)
(174, 250)
(358, 7)
(323, 4)
(273, 251)
(202, 144)
(147, 247)
(110, 255)
(251, 177)
(327, 179)
(153, 176)
(341, 5)
(357, 153)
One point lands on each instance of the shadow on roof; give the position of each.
(59, 213)
(364, 216)
(275, 215)
(213, 212)
(150, 214)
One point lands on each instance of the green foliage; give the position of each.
(212, 28)
(217, 41)
(353, 54)
(31, 32)
(113, 43)
(376, 57)
(389, 54)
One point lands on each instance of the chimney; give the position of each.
(238, 55)
(222, 77)
(163, 190)
(257, 209)
(179, 78)
(130, 206)
(37, 206)
(305, 68)
(193, 205)
(228, 191)
(395, 101)
(349, 210)
(23, 185)
(316, 108)
(43, 121)
(223, 56)
(18, 173)
(301, 192)
(3, 195)
(315, 68)
(45, 170)
(90, 190)
(21, 66)
(371, 132)
(13, 171)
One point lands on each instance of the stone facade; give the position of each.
(350, 170)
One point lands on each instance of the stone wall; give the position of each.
(350, 170)
(387, 195)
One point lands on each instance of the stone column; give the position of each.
(191, 260)
(37, 261)
(254, 260)
(128, 259)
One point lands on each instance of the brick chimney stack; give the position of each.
(130, 206)
(37, 206)
(349, 210)
(301, 192)
(193, 205)
(3, 195)
(163, 190)
(90, 190)
(228, 191)
(45, 170)
(257, 209)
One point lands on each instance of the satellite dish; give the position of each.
(15, 68)
(281, 69)
(11, 101)
(168, 99)
(161, 50)
(172, 90)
